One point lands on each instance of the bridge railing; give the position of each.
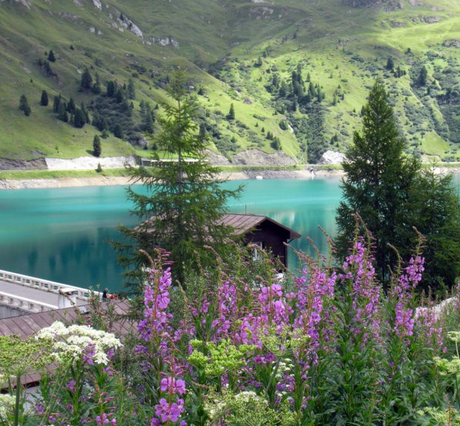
(46, 285)
(24, 304)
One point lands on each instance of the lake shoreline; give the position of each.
(69, 182)
(76, 182)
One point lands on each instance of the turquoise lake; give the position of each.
(61, 234)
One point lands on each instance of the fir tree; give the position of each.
(56, 103)
(118, 131)
(79, 119)
(24, 105)
(97, 150)
(378, 181)
(51, 56)
(422, 77)
(390, 64)
(231, 113)
(183, 202)
(62, 112)
(86, 80)
(96, 88)
(44, 98)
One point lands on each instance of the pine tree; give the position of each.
(97, 149)
(183, 202)
(390, 64)
(422, 77)
(44, 98)
(379, 178)
(51, 56)
(56, 103)
(231, 113)
(96, 88)
(130, 91)
(86, 80)
(79, 119)
(62, 112)
(71, 106)
(118, 131)
(24, 105)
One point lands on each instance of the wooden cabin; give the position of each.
(262, 231)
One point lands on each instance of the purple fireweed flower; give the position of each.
(88, 354)
(71, 385)
(171, 385)
(169, 411)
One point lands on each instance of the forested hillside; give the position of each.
(279, 75)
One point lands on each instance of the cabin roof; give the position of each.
(27, 325)
(244, 223)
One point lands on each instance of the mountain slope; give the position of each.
(297, 72)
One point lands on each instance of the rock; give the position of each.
(254, 157)
(97, 4)
(397, 24)
(393, 5)
(430, 19)
(37, 164)
(216, 159)
(332, 157)
(165, 41)
(248, 101)
(451, 43)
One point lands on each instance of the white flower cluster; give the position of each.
(7, 403)
(72, 342)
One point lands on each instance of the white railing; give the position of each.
(24, 303)
(45, 285)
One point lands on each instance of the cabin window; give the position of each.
(259, 246)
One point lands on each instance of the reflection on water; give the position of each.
(61, 234)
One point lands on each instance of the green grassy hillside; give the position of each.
(297, 72)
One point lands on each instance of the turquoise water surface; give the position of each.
(61, 234)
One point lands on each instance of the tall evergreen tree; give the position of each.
(51, 56)
(56, 103)
(44, 98)
(231, 113)
(79, 119)
(378, 181)
(24, 105)
(86, 82)
(184, 201)
(62, 112)
(97, 149)
(422, 77)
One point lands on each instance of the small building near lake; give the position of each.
(262, 231)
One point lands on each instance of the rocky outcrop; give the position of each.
(254, 157)
(332, 157)
(7, 164)
(216, 159)
(451, 43)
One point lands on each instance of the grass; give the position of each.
(58, 174)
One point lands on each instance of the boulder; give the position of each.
(332, 157)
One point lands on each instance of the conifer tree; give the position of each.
(97, 149)
(44, 98)
(56, 103)
(231, 113)
(181, 209)
(86, 80)
(379, 178)
(62, 112)
(51, 56)
(79, 119)
(422, 77)
(24, 105)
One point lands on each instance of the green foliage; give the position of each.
(392, 194)
(79, 119)
(24, 105)
(97, 150)
(184, 201)
(86, 82)
(231, 113)
(44, 98)
(51, 56)
(379, 178)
